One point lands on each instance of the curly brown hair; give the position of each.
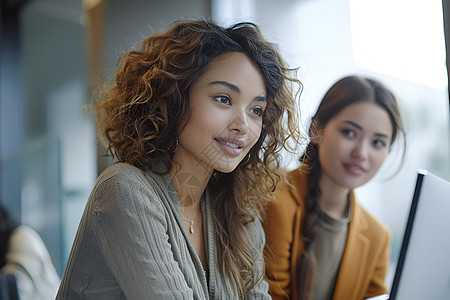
(145, 107)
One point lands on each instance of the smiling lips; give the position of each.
(231, 146)
(354, 169)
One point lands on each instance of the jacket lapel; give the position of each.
(296, 178)
(355, 256)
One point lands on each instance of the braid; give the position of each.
(306, 264)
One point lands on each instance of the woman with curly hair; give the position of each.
(324, 244)
(196, 119)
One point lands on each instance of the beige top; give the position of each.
(327, 250)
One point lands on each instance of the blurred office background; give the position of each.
(54, 53)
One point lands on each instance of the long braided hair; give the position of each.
(347, 91)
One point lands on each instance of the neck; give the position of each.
(190, 181)
(333, 198)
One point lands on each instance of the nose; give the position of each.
(360, 151)
(239, 124)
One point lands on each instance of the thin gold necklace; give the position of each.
(191, 222)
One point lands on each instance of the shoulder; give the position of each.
(120, 172)
(122, 184)
(122, 175)
(118, 181)
(370, 225)
(290, 192)
(25, 238)
(27, 246)
(284, 212)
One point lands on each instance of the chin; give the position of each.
(225, 170)
(354, 185)
(226, 167)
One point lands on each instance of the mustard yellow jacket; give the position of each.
(366, 256)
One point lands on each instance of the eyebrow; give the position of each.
(382, 135)
(261, 99)
(231, 86)
(236, 89)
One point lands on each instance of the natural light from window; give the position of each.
(400, 38)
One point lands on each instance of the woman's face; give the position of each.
(354, 144)
(227, 105)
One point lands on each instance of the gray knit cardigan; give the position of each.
(131, 244)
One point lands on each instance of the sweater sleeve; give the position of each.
(130, 224)
(261, 290)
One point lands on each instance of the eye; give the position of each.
(348, 133)
(258, 111)
(223, 99)
(379, 144)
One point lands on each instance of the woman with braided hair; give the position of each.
(323, 244)
(196, 119)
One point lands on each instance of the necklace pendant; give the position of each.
(191, 226)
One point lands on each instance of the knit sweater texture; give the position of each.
(131, 244)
